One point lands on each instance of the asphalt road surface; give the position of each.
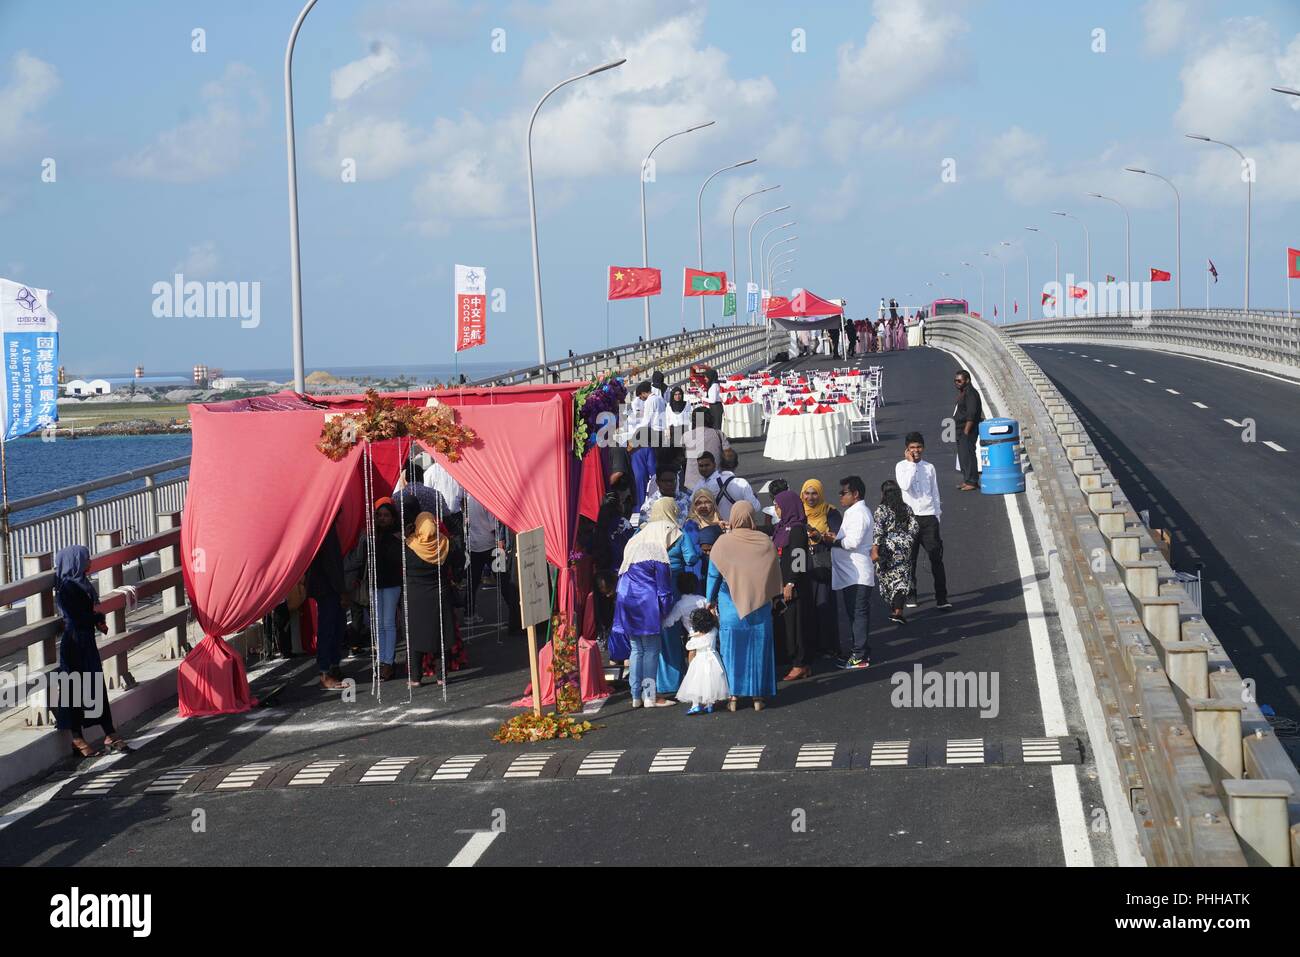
(832, 772)
(1211, 451)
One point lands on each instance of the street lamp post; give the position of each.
(645, 245)
(762, 252)
(1001, 262)
(1178, 233)
(699, 220)
(1035, 229)
(1028, 287)
(981, 275)
(532, 206)
(1250, 180)
(770, 256)
(1128, 238)
(295, 262)
(734, 277)
(751, 244)
(1087, 250)
(785, 259)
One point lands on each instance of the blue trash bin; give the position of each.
(1001, 473)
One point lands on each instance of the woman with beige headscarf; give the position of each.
(429, 596)
(744, 577)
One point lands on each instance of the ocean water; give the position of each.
(34, 466)
(415, 372)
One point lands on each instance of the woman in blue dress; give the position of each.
(744, 577)
(703, 514)
(682, 555)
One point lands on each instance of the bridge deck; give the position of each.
(326, 784)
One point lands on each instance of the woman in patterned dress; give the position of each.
(891, 549)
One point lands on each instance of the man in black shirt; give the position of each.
(968, 414)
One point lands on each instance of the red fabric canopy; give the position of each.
(804, 304)
(262, 498)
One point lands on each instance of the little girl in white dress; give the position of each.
(705, 681)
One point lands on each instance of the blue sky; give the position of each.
(172, 159)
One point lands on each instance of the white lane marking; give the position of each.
(1200, 405)
(1039, 750)
(743, 758)
(1233, 422)
(599, 762)
(244, 776)
(1173, 391)
(1049, 691)
(315, 773)
(457, 768)
(101, 783)
(671, 759)
(815, 756)
(478, 842)
(1069, 809)
(889, 753)
(965, 751)
(1129, 372)
(1112, 365)
(529, 765)
(1275, 447)
(385, 771)
(172, 781)
(1152, 381)
(1096, 360)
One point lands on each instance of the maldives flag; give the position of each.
(632, 282)
(697, 283)
(1159, 275)
(1077, 292)
(1048, 297)
(1292, 263)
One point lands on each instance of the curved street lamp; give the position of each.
(295, 262)
(699, 220)
(735, 278)
(981, 275)
(1250, 180)
(772, 249)
(1178, 232)
(645, 245)
(1035, 229)
(762, 252)
(1128, 237)
(1087, 250)
(532, 205)
(751, 242)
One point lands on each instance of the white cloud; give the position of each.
(212, 143)
(347, 80)
(835, 203)
(1226, 85)
(847, 138)
(32, 82)
(910, 44)
(1008, 152)
(200, 262)
(1169, 24)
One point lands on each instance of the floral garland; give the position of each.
(527, 728)
(564, 667)
(604, 394)
(382, 418)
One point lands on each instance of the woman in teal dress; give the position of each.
(744, 577)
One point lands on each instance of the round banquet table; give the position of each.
(742, 420)
(812, 435)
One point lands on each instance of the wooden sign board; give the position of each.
(534, 577)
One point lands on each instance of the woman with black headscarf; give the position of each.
(83, 697)
(796, 621)
(891, 549)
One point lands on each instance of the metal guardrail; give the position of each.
(1264, 336)
(130, 625)
(725, 347)
(134, 512)
(1208, 781)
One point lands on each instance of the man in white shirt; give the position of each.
(916, 477)
(483, 535)
(853, 576)
(645, 419)
(726, 487)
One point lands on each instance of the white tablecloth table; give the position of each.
(742, 420)
(812, 435)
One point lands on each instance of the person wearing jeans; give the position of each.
(644, 669)
(853, 574)
(920, 485)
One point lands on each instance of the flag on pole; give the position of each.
(698, 283)
(1015, 305)
(1213, 272)
(633, 282)
(729, 300)
(1292, 263)
(471, 307)
(1159, 275)
(995, 312)
(1109, 277)
(1048, 298)
(28, 373)
(1078, 292)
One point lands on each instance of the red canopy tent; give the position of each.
(806, 310)
(262, 498)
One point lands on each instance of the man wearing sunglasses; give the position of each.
(968, 414)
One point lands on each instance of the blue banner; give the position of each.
(29, 336)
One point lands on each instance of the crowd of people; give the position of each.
(886, 333)
(705, 596)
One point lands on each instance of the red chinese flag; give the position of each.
(698, 283)
(1159, 275)
(1077, 292)
(1292, 263)
(633, 282)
